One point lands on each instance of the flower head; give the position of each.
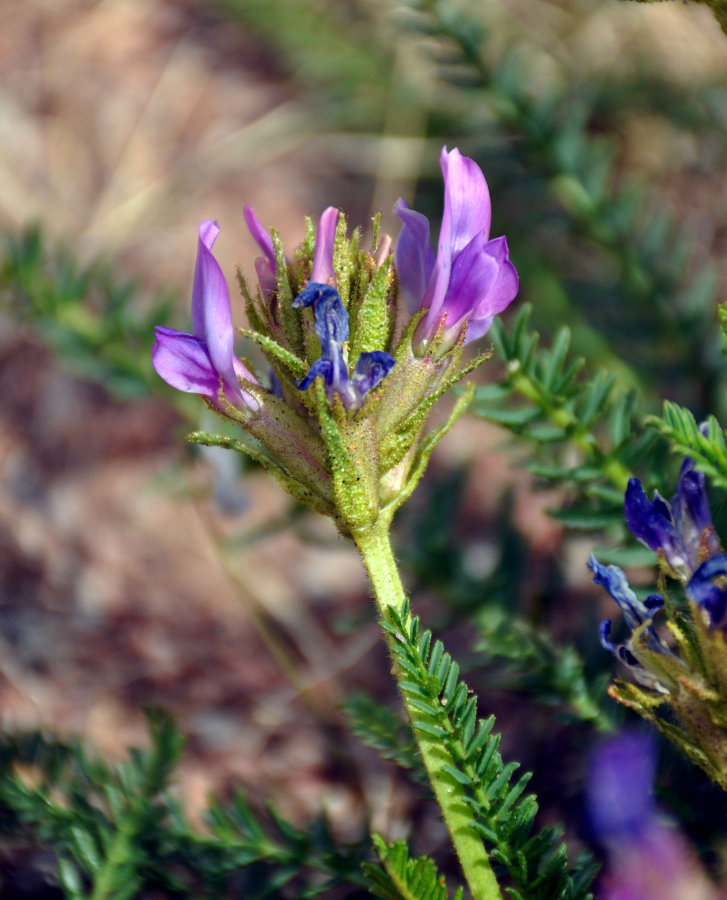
(204, 362)
(682, 530)
(327, 315)
(471, 279)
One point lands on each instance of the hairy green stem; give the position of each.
(378, 557)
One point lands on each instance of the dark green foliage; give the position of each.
(92, 320)
(378, 727)
(534, 663)
(334, 49)
(583, 432)
(117, 831)
(708, 449)
(99, 821)
(501, 812)
(399, 877)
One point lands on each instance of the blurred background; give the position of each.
(135, 570)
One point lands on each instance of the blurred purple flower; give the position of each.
(647, 858)
(683, 529)
(331, 324)
(471, 279)
(204, 362)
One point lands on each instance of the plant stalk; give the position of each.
(378, 557)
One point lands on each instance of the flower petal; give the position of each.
(693, 516)
(414, 256)
(183, 362)
(483, 282)
(709, 595)
(211, 314)
(652, 523)
(259, 234)
(620, 800)
(467, 208)
(322, 271)
(614, 580)
(371, 368)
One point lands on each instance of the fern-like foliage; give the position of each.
(536, 664)
(98, 821)
(501, 812)
(399, 877)
(583, 432)
(117, 833)
(706, 444)
(380, 728)
(87, 314)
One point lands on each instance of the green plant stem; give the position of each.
(378, 557)
(580, 434)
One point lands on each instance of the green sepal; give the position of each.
(297, 490)
(289, 317)
(370, 316)
(353, 462)
(292, 444)
(272, 348)
(344, 258)
(425, 449)
(307, 248)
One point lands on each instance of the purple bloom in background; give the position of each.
(204, 362)
(471, 279)
(647, 858)
(331, 324)
(683, 529)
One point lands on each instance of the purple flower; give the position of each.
(265, 264)
(637, 616)
(683, 529)
(647, 858)
(331, 324)
(471, 278)
(619, 796)
(708, 588)
(204, 362)
(322, 271)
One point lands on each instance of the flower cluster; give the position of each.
(352, 375)
(686, 678)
